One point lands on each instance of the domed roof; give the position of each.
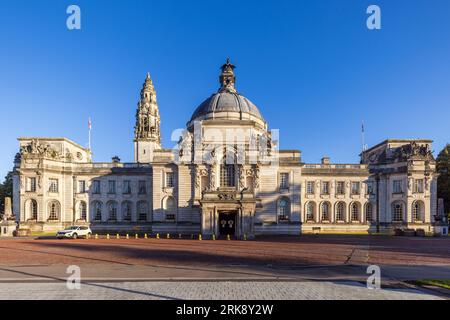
(227, 103)
(236, 105)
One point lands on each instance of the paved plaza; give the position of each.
(307, 267)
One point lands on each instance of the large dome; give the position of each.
(227, 104)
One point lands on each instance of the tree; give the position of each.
(443, 183)
(6, 190)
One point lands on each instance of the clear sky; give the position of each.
(312, 67)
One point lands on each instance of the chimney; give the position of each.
(326, 160)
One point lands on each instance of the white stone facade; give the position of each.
(195, 188)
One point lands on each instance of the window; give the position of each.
(97, 210)
(111, 186)
(340, 211)
(31, 187)
(369, 212)
(283, 209)
(53, 185)
(284, 180)
(142, 187)
(355, 187)
(126, 187)
(325, 211)
(53, 211)
(325, 188)
(340, 187)
(397, 212)
(82, 210)
(310, 187)
(126, 210)
(227, 175)
(170, 207)
(355, 212)
(397, 187)
(33, 210)
(112, 211)
(170, 183)
(369, 188)
(96, 186)
(310, 211)
(418, 186)
(417, 211)
(142, 211)
(81, 186)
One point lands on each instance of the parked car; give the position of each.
(74, 232)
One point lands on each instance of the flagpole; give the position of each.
(89, 126)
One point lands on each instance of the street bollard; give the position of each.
(96, 236)
(179, 236)
(214, 236)
(245, 237)
(228, 237)
(157, 236)
(107, 236)
(145, 236)
(117, 236)
(168, 236)
(136, 236)
(127, 236)
(200, 237)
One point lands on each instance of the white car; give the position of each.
(74, 232)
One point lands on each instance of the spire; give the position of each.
(227, 78)
(147, 115)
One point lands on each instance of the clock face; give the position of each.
(79, 156)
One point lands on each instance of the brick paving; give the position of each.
(207, 290)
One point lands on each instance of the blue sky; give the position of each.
(312, 67)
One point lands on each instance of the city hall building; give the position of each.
(225, 177)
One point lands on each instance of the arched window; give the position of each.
(96, 210)
(33, 210)
(417, 211)
(397, 211)
(126, 210)
(227, 175)
(369, 212)
(354, 212)
(170, 208)
(283, 209)
(82, 210)
(325, 211)
(310, 211)
(112, 211)
(142, 210)
(53, 210)
(340, 211)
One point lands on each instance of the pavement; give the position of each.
(307, 267)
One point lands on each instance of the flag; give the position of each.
(362, 127)
(89, 123)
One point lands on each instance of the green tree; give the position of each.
(6, 190)
(443, 183)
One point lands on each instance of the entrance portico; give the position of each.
(228, 212)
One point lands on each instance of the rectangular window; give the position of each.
(81, 186)
(142, 187)
(418, 186)
(170, 217)
(169, 180)
(111, 186)
(325, 187)
(340, 187)
(53, 185)
(96, 186)
(310, 187)
(126, 187)
(31, 187)
(284, 180)
(355, 187)
(369, 188)
(397, 186)
(227, 175)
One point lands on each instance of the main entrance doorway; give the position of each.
(227, 223)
